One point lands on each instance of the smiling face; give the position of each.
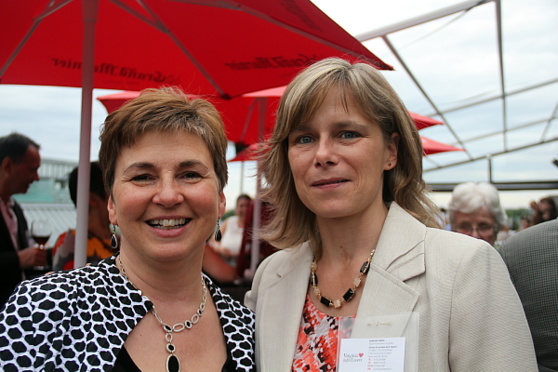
(165, 197)
(338, 159)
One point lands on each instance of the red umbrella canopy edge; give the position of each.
(429, 146)
(223, 48)
(422, 121)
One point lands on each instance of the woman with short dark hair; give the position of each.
(150, 307)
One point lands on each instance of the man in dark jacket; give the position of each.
(19, 163)
(532, 259)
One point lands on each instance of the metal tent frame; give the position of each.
(503, 136)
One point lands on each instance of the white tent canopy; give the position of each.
(487, 69)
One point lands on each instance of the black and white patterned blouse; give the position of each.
(78, 320)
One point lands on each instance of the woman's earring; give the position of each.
(113, 238)
(218, 235)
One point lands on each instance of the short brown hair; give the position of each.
(165, 110)
(15, 145)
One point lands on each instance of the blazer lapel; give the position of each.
(278, 331)
(399, 257)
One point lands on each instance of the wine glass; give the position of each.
(40, 231)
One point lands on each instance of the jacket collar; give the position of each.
(399, 257)
(283, 301)
(400, 249)
(401, 245)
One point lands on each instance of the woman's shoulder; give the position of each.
(438, 238)
(226, 304)
(292, 253)
(286, 259)
(66, 277)
(76, 296)
(89, 306)
(455, 250)
(62, 288)
(238, 324)
(281, 263)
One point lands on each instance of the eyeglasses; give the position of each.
(481, 229)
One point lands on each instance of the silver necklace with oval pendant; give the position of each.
(173, 363)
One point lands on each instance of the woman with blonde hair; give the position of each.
(344, 174)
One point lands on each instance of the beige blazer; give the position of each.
(471, 318)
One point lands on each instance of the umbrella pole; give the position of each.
(255, 258)
(88, 69)
(255, 252)
(242, 177)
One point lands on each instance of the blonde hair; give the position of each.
(165, 110)
(293, 223)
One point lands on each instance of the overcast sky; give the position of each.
(51, 116)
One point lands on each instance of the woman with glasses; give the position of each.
(475, 210)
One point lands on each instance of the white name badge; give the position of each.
(372, 354)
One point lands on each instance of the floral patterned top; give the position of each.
(317, 344)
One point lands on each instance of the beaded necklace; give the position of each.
(349, 294)
(173, 363)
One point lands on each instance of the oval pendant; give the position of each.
(218, 235)
(173, 363)
(114, 242)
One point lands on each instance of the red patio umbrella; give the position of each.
(225, 48)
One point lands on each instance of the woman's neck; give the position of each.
(167, 282)
(351, 238)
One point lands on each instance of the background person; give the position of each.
(232, 229)
(19, 165)
(475, 210)
(344, 176)
(98, 224)
(219, 260)
(150, 307)
(544, 210)
(244, 260)
(236, 279)
(532, 259)
(525, 222)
